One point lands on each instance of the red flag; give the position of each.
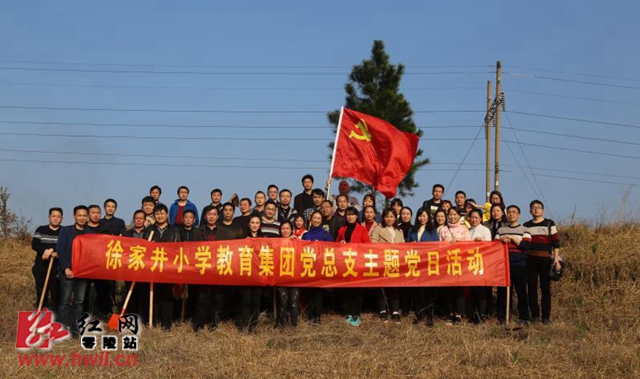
(373, 151)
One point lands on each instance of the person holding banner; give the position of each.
(404, 221)
(424, 299)
(139, 302)
(479, 295)
(288, 297)
(452, 232)
(72, 290)
(390, 296)
(163, 300)
(250, 296)
(314, 295)
(353, 232)
(299, 228)
(369, 218)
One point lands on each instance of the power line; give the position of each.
(572, 81)
(292, 159)
(576, 119)
(113, 64)
(577, 74)
(150, 110)
(112, 86)
(549, 94)
(576, 136)
(194, 138)
(160, 165)
(577, 150)
(586, 173)
(221, 73)
(62, 123)
(535, 191)
(589, 180)
(289, 159)
(455, 174)
(525, 158)
(163, 164)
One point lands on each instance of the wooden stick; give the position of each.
(151, 306)
(185, 294)
(508, 316)
(275, 310)
(46, 282)
(150, 293)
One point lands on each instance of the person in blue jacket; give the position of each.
(176, 212)
(314, 295)
(424, 230)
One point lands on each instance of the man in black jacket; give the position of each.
(44, 244)
(139, 302)
(163, 300)
(227, 229)
(304, 200)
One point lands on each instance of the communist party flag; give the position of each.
(372, 151)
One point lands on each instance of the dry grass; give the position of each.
(595, 334)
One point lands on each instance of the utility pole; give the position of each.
(487, 128)
(497, 123)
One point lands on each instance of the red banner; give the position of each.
(292, 263)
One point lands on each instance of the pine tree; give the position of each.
(374, 88)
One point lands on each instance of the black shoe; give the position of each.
(546, 321)
(430, 322)
(395, 317)
(383, 316)
(456, 320)
(535, 319)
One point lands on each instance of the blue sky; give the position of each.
(292, 56)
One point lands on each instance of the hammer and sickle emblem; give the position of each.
(362, 126)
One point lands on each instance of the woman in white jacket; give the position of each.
(387, 232)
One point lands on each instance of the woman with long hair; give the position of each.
(404, 221)
(440, 220)
(353, 232)
(314, 295)
(423, 299)
(446, 205)
(497, 220)
(369, 218)
(369, 200)
(396, 206)
(250, 296)
(299, 226)
(288, 297)
(453, 232)
(388, 232)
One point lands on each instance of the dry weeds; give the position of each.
(595, 333)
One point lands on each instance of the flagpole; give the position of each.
(333, 156)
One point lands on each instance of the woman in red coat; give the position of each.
(353, 232)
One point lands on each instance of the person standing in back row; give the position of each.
(178, 207)
(304, 200)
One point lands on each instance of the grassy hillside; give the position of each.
(595, 332)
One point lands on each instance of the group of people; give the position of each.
(312, 216)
